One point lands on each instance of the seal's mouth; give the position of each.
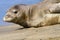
(7, 19)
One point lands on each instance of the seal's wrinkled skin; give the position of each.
(37, 15)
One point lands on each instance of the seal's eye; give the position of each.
(14, 11)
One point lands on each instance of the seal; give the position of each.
(36, 15)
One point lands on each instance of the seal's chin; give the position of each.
(7, 19)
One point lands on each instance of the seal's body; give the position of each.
(41, 14)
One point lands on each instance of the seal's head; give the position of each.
(14, 14)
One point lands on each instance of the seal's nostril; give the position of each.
(7, 15)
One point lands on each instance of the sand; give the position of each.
(16, 32)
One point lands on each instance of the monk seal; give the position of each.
(36, 15)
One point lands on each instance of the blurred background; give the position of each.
(6, 4)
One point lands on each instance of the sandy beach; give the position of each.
(14, 32)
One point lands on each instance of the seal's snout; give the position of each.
(7, 18)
